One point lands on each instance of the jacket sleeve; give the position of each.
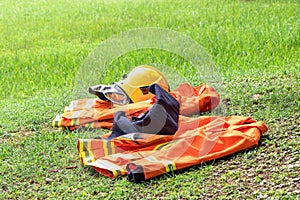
(194, 100)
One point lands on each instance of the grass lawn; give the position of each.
(43, 44)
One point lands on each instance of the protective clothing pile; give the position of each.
(98, 113)
(159, 135)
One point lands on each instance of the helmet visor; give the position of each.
(113, 93)
(117, 95)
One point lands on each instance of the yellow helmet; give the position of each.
(133, 87)
(136, 83)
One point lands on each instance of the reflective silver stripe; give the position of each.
(77, 114)
(169, 165)
(76, 122)
(89, 103)
(72, 105)
(104, 164)
(86, 151)
(57, 120)
(109, 150)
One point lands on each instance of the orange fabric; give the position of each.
(96, 113)
(197, 140)
(194, 100)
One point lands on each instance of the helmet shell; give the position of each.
(136, 83)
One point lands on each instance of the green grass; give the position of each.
(43, 44)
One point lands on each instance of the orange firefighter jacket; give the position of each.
(144, 156)
(96, 113)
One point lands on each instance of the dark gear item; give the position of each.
(161, 118)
